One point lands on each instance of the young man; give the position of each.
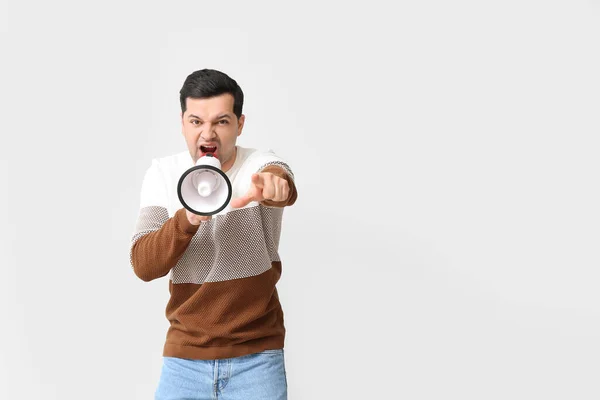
(226, 334)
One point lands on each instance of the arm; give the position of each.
(158, 241)
(272, 185)
(154, 254)
(291, 187)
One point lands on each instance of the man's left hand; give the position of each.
(265, 186)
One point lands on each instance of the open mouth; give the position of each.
(208, 149)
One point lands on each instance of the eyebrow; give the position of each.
(219, 117)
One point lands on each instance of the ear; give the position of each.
(181, 117)
(241, 122)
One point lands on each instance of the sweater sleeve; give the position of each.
(158, 241)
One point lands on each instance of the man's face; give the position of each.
(210, 126)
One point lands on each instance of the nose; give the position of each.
(209, 133)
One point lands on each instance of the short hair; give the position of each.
(206, 83)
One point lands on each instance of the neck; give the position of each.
(226, 166)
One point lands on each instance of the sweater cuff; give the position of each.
(182, 223)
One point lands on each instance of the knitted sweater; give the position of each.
(223, 301)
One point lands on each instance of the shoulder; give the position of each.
(268, 158)
(261, 157)
(172, 165)
(258, 160)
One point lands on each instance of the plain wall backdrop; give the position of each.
(445, 240)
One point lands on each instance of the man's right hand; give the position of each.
(196, 219)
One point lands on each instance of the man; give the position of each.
(226, 334)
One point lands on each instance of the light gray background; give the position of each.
(445, 240)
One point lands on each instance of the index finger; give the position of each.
(242, 201)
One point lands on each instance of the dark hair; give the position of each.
(207, 83)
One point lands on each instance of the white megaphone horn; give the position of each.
(204, 189)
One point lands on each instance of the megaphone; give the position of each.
(204, 189)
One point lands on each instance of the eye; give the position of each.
(195, 122)
(223, 122)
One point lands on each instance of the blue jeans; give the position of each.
(259, 376)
